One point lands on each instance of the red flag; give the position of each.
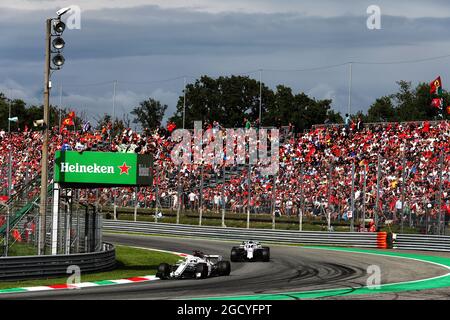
(436, 86)
(68, 122)
(171, 126)
(16, 235)
(71, 115)
(437, 103)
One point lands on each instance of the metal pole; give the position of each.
(377, 200)
(249, 192)
(114, 103)
(44, 160)
(156, 199)
(329, 195)
(60, 106)
(223, 196)
(184, 103)
(10, 153)
(403, 190)
(352, 200)
(274, 199)
(37, 235)
(77, 246)
(441, 169)
(427, 217)
(302, 200)
(7, 231)
(260, 97)
(179, 195)
(114, 206)
(135, 203)
(201, 197)
(350, 83)
(55, 222)
(364, 199)
(68, 220)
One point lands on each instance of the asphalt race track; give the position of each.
(290, 269)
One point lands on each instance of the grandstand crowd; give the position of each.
(314, 176)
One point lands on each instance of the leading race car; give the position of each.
(196, 266)
(250, 251)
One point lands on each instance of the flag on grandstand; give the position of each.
(68, 122)
(437, 103)
(16, 235)
(13, 119)
(171, 126)
(87, 126)
(436, 86)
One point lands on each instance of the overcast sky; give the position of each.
(141, 42)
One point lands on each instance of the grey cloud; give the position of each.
(148, 43)
(149, 31)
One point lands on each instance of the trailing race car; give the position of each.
(197, 266)
(250, 251)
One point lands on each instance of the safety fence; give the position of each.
(408, 192)
(30, 267)
(352, 239)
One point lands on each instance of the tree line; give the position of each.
(228, 100)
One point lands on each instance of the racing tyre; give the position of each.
(234, 257)
(163, 271)
(224, 268)
(265, 254)
(201, 271)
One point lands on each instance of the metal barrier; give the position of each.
(12, 268)
(422, 242)
(353, 239)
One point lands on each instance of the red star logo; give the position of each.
(124, 168)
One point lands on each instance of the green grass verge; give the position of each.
(131, 262)
(22, 249)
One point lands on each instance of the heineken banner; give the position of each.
(94, 169)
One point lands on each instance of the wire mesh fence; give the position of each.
(373, 193)
(78, 227)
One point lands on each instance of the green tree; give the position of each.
(334, 117)
(382, 110)
(225, 99)
(308, 112)
(411, 104)
(118, 126)
(149, 113)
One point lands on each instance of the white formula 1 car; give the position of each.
(250, 251)
(197, 266)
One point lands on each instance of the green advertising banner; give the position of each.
(103, 169)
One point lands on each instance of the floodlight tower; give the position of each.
(54, 60)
